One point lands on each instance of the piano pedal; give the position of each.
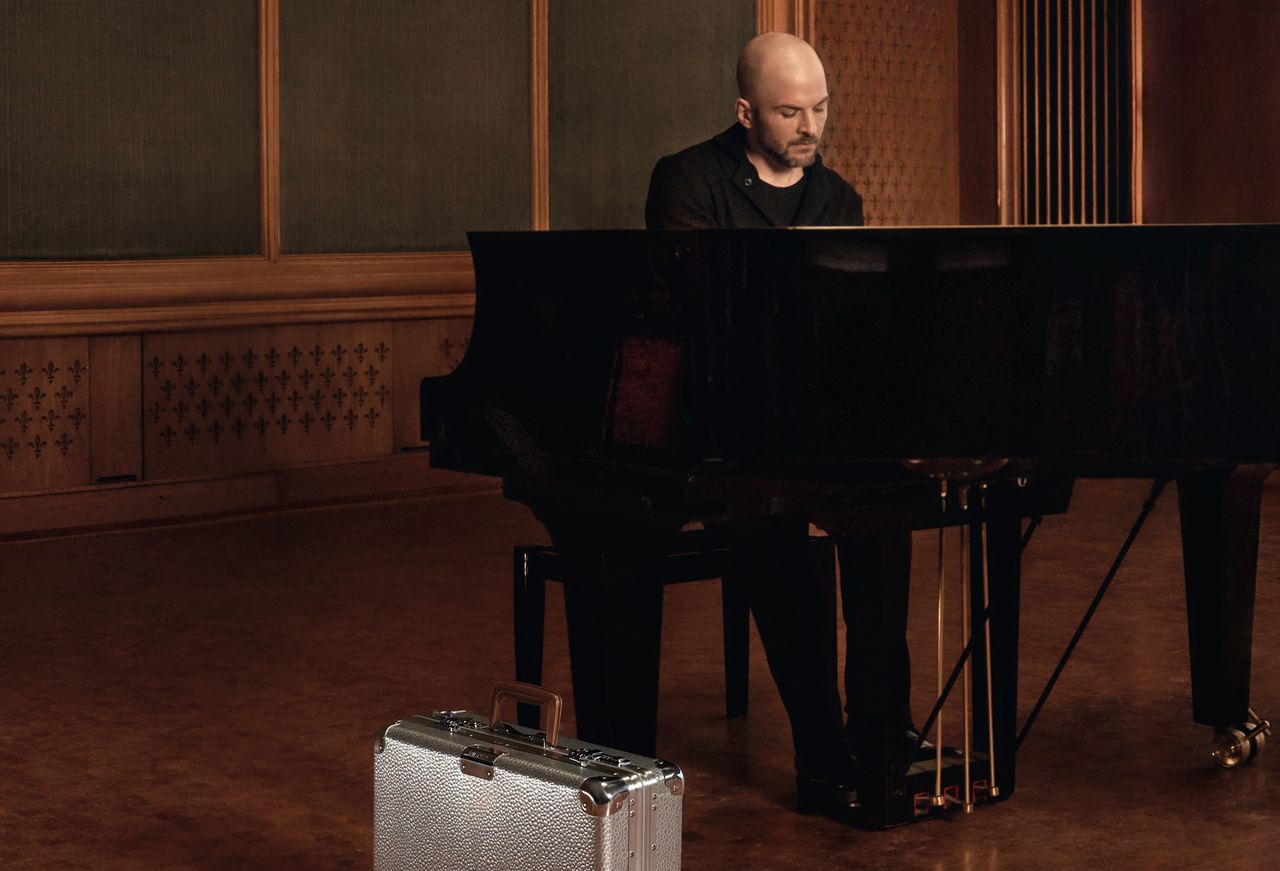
(1241, 743)
(926, 804)
(983, 792)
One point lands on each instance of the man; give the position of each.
(766, 171)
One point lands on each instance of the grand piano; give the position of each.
(659, 378)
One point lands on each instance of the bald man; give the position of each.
(766, 171)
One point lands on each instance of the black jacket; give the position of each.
(710, 185)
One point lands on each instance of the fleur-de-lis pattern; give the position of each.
(220, 401)
(44, 414)
(892, 65)
(264, 398)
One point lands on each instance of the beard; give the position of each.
(781, 152)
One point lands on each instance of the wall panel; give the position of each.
(403, 124)
(1210, 125)
(44, 414)
(193, 423)
(128, 129)
(892, 133)
(629, 83)
(232, 401)
(116, 408)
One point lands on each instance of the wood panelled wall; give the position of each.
(1210, 125)
(88, 170)
(179, 385)
(83, 419)
(601, 56)
(912, 123)
(892, 131)
(284, 369)
(402, 125)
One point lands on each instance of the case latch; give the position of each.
(477, 761)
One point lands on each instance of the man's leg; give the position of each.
(795, 614)
(613, 611)
(875, 584)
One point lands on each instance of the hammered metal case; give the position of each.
(451, 793)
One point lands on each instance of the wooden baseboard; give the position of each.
(123, 505)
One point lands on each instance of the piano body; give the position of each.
(646, 379)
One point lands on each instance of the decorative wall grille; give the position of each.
(44, 414)
(239, 400)
(1068, 110)
(891, 70)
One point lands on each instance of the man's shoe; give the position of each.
(837, 799)
(906, 752)
(923, 751)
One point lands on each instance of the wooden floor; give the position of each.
(205, 696)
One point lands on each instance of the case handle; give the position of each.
(527, 692)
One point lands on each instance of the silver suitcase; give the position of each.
(462, 792)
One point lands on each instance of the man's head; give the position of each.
(782, 99)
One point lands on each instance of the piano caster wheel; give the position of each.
(1239, 744)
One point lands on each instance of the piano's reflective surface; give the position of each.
(661, 377)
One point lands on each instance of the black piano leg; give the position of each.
(1219, 511)
(529, 614)
(1004, 540)
(614, 614)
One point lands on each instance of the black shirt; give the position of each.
(712, 184)
(780, 205)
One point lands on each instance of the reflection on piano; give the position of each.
(661, 377)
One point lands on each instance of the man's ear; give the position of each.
(743, 110)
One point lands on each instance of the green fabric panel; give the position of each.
(403, 124)
(128, 128)
(629, 83)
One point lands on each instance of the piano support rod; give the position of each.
(1030, 531)
(993, 787)
(956, 673)
(1156, 487)
(938, 799)
(965, 634)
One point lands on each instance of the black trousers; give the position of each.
(795, 615)
(613, 605)
(794, 612)
(614, 610)
(875, 582)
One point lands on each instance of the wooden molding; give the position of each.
(1135, 113)
(1009, 113)
(234, 313)
(116, 506)
(269, 119)
(788, 16)
(539, 114)
(65, 284)
(128, 296)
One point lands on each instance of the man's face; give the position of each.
(787, 124)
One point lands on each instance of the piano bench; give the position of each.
(695, 556)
